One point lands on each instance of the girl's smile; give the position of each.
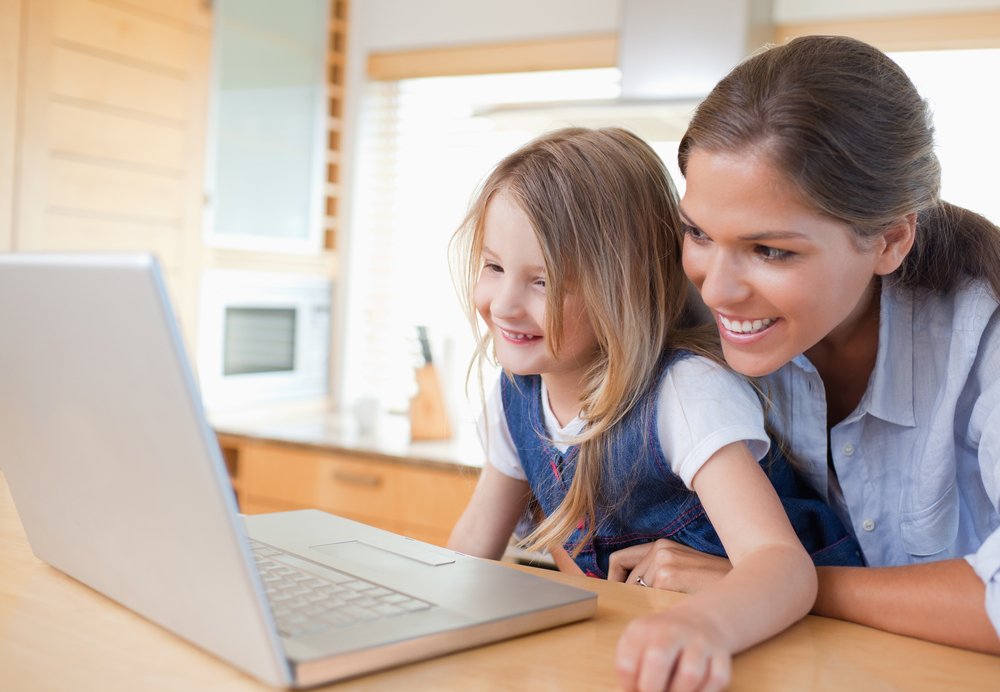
(511, 298)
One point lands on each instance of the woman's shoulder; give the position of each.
(968, 307)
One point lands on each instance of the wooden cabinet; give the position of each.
(403, 496)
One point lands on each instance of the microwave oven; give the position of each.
(263, 338)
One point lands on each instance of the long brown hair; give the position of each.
(846, 127)
(604, 212)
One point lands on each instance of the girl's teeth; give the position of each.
(746, 326)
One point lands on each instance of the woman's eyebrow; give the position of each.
(763, 235)
(774, 235)
(687, 219)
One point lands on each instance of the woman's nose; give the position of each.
(724, 281)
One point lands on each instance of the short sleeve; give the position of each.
(702, 407)
(494, 435)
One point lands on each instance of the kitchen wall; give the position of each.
(102, 129)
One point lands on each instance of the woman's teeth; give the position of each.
(746, 326)
(517, 337)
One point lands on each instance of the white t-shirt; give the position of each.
(702, 407)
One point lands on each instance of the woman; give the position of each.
(817, 237)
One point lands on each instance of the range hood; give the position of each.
(678, 49)
(670, 53)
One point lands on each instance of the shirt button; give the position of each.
(848, 450)
(868, 525)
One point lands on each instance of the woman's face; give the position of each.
(778, 277)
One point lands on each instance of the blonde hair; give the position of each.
(604, 211)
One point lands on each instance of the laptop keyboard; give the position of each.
(303, 603)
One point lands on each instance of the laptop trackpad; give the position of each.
(367, 554)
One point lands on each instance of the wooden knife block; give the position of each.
(428, 415)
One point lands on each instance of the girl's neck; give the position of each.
(564, 397)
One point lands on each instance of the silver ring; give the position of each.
(640, 582)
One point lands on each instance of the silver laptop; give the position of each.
(119, 483)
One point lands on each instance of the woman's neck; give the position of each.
(845, 359)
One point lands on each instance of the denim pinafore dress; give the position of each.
(643, 500)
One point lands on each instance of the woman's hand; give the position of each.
(675, 651)
(665, 564)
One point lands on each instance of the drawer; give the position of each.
(397, 497)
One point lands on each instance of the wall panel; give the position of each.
(80, 185)
(100, 81)
(85, 131)
(104, 29)
(10, 48)
(74, 233)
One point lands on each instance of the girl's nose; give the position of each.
(725, 281)
(507, 303)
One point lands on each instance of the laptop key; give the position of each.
(337, 619)
(358, 585)
(414, 605)
(388, 610)
(362, 614)
(394, 598)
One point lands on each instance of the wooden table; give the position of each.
(57, 634)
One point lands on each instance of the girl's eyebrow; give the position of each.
(763, 235)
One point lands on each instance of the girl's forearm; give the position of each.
(770, 589)
(942, 602)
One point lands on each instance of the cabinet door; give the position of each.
(419, 502)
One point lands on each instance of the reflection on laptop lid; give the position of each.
(119, 482)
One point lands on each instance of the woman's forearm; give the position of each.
(943, 602)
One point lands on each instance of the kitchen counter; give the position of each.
(323, 431)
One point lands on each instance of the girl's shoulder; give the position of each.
(686, 365)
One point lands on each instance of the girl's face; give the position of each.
(778, 277)
(510, 297)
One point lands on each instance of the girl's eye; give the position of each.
(493, 267)
(772, 253)
(695, 234)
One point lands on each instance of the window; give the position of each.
(427, 143)
(960, 86)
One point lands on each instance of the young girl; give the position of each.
(604, 414)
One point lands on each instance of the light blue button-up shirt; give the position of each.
(918, 460)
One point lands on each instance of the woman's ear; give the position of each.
(896, 243)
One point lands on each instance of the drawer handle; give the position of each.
(357, 479)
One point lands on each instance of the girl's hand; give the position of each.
(665, 564)
(673, 652)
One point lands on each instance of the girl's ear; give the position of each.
(896, 243)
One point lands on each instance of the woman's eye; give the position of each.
(773, 253)
(540, 283)
(695, 234)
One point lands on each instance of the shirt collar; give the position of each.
(890, 391)
(889, 395)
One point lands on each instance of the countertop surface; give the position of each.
(326, 431)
